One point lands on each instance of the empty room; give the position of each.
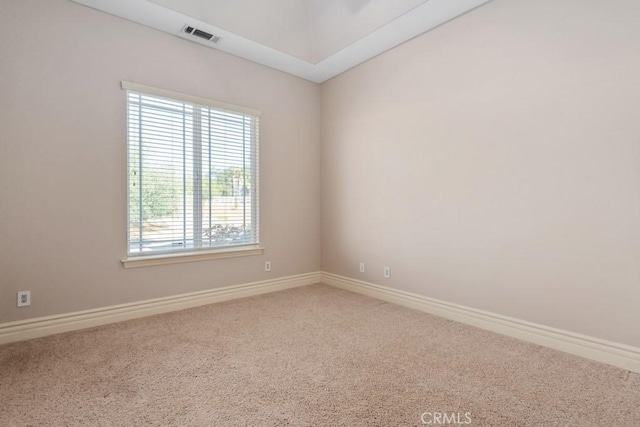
(319, 212)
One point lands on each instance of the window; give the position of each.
(193, 173)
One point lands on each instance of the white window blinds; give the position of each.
(193, 173)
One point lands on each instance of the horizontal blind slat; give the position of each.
(193, 170)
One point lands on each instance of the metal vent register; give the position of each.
(202, 34)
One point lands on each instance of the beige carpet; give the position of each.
(312, 356)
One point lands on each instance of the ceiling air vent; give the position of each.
(202, 34)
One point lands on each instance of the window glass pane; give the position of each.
(192, 176)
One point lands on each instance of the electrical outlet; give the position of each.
(387, 272)
(362, 267)
(24, 298)
(267, 266)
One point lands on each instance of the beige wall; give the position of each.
(63, 154)
(495, 162)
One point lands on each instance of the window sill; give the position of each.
(176, 258)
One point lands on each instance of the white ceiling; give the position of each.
(312, 39)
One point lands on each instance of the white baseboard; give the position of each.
(43, 326)
(620, 355)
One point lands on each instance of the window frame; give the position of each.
(199, 254)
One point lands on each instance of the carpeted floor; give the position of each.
(312, 356)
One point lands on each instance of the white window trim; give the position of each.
(188, 98)
(202, 255)
(177, 258)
